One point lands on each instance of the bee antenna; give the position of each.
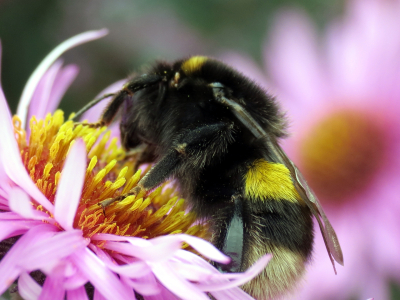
(90, 105)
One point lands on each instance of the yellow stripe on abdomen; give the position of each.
(267, 180)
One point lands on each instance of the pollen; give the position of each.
(109, 174)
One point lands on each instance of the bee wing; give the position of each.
(278, 155)
(328, 233)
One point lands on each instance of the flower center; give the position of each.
(108, 174)
(342, 154)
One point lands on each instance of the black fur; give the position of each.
(199, 142)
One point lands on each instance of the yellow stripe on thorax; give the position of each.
(267, 180)
(193, 64)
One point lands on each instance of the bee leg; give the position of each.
(90, 105)
(112, 108)
(135, 191)
(191, 143)
(188, 144)
(157, 174)
(110, 111)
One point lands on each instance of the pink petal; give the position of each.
(11, 159)
(164, 294)
(191, 272)
(153, 254)
(145, 285)
(202, 246)
(128, 289)
(37, 75)
(47, 252)
(41, 96)
(51, 88)
(139, 242)
(133, 270)
(135, 274)
(242, 278)
(28, 288)
(150, 250)
(191, 258)
(176, 284)
(98, 296)
(99, 275)
(12, 228)
(9, 269)
(52, 287)
(20, 203)
(10, 215)
(77, 294)
(70, 187)
(64, 79)
(235, 293)
(74, 281)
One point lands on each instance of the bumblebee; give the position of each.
(216, 132)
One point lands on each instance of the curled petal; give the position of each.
(62, 82)
(40, 98)
(28, 288)
(37, 75)
(176, 284)
(216, 281)
(51, 88)
(203, 247)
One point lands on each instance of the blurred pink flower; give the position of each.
(342, 97)
(156, 268)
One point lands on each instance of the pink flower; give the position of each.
(49, 198)
(343, 102)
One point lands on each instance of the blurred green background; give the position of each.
(140, 32)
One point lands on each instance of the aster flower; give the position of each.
(52, 178)
(342, 99)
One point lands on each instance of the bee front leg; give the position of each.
(191, 143)
(160, 172)
(112, 108)
(109, 113)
